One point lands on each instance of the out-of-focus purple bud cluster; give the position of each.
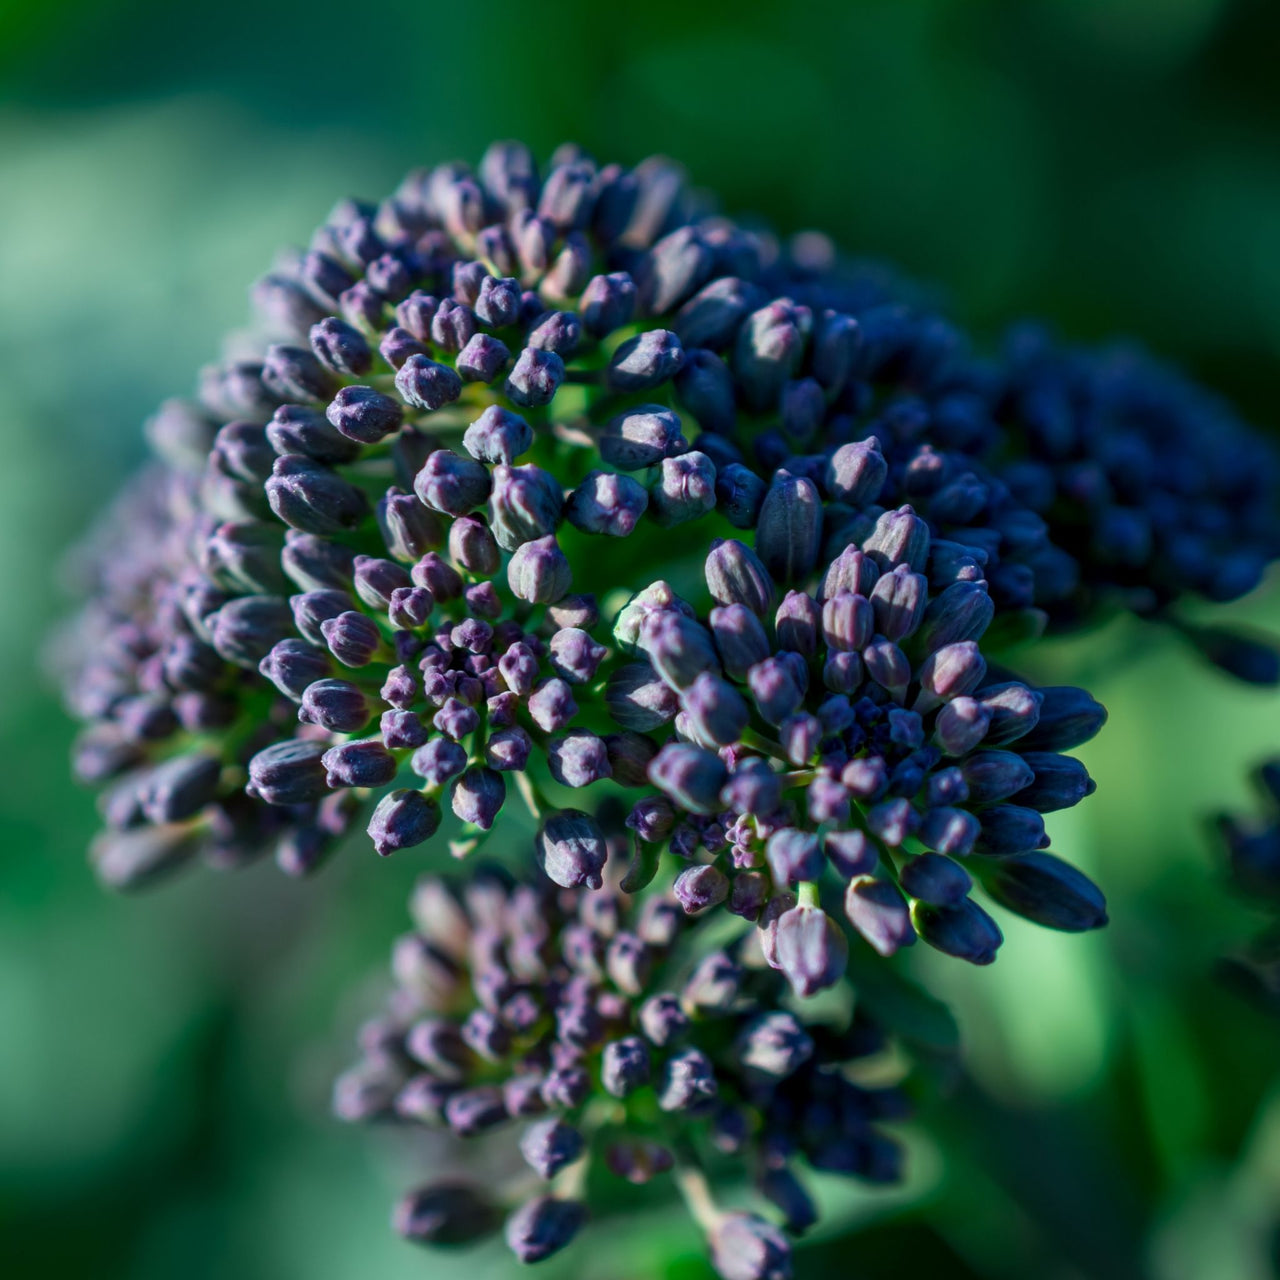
(602, 1028)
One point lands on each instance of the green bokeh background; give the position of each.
(1109, 164)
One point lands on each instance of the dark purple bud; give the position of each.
(375, 580)
(835, 348)
(398, 345)
(754, 788)
(746, 1247)
(366, 763)
(662, 1019)
(735, 575)
(1060, 782)
(472, 1111)
(848, 622)
(797, 623)
(900, 538)
(642, 437)
(1068, 717)
(992, 776)
(539, 572)
(638, 699)
(794, 855)
(948, 830)
(571, 850)
(892, 821)
(852, 570)
(704, 388)
(1014, 711)
(652, 819)
(482, 359)
(440, 760)
(827, 801)
(711, 318)
(244, 630)
(965, 930)
(292, 665)
(963, 611)
(774, 689)
(498, 435)
(364, 415)
(851, 853)
(716, 710)
(508, 750)
(552, 705)
(768, 350)
(701, 887)
(934, 879)
(478, 796)
(402, 820)
(519, 667)
(472, 545)
(456, 719)
(739, 638)
(645, 361)
(336, 705)
(606, 503)
(525, 504)
(295, 374)
(438, 576)
(575, 656)
(341, 348)
(679, 647)
(353, 638)
(887, 665)
(785, 1192)
(243, 449)
(452, 326)
(949, 673)
(575, 611)
(739, 494)
(451, 484)
(624, 1066)
(691, 776)
(608, 302)
(498, 302)
(543, 1226)
(578, 758)
(315, 563)
(288, 773)
(774, 1044)
(409, 529)
(961, 725)
(298, 430)
(803, 408)
(402, 730)
(857, 472)
(899, 599)
(789, 531)
(810, 949)
(310, 497)
(400, 689)
(445, 1213)
(550, 1145)
(427, 385)
(1010, 829)
(1048, 891)
(878, 912)
(535, 378)
(409, 608)
(178, 788)
(688, 1080)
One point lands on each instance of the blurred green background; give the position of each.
(1109, 164)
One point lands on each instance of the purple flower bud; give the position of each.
(535, 378)
(735, 575)
(877, 911)
(827, 801)
(711, 318)
(899, 538)
(498, 435)
(963, 611)
(716, 710)
(1047, 891)
(336, 705)
(606, 503)
(375, 579)
(288, 773)
(774, 1044)
(850, 853)
(932, 878)
(550, 1145)
(645, 361)
(642, 437)
(754, 788)
(294, 429)
(964, 930)
(451, 484)
(571, 850)
(1068, 717)
(552, 706)
(313, 608)
(811, 950)
(704, 387)
(857, 472)
(701, 887)
(624, 1066)
(679, 647)
(482, 359)
(472, 545)
(789, 531)
(352, 638)
(398, 345)
(539, 572)
(295, 374)
(498, 302)
(691, 776)
(309, 497)
(739, 494)
(409, 529)
(478, 795)
(456, 719)
(508, 750)
(1009, 829)
(774, 689)
(578, 758)
(445, 1213)
(364, 415)
(961, 725)
(440, 760)
(652, 819)
(525, 505)
(662, 1019)
(688, 1081)
(366, 763)
(575, 656)
(769, 347)
(992, 776)
(892, 821)
(887, 665)
(543, 1226)
(793, 855)
(739, 638)
(402, 730)
(848, 622)
(291, 666)
(1060, 782)
(409, 608)
(638, 699)
(402, 820)
(949, 830)
(575, 611)
(899, 599)
(519, 668)
(438, 576)
(949, 673)
(608, 302)
(1014, 710)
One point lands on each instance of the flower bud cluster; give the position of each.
(601, 1028)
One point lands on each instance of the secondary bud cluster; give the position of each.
(602, 1028)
